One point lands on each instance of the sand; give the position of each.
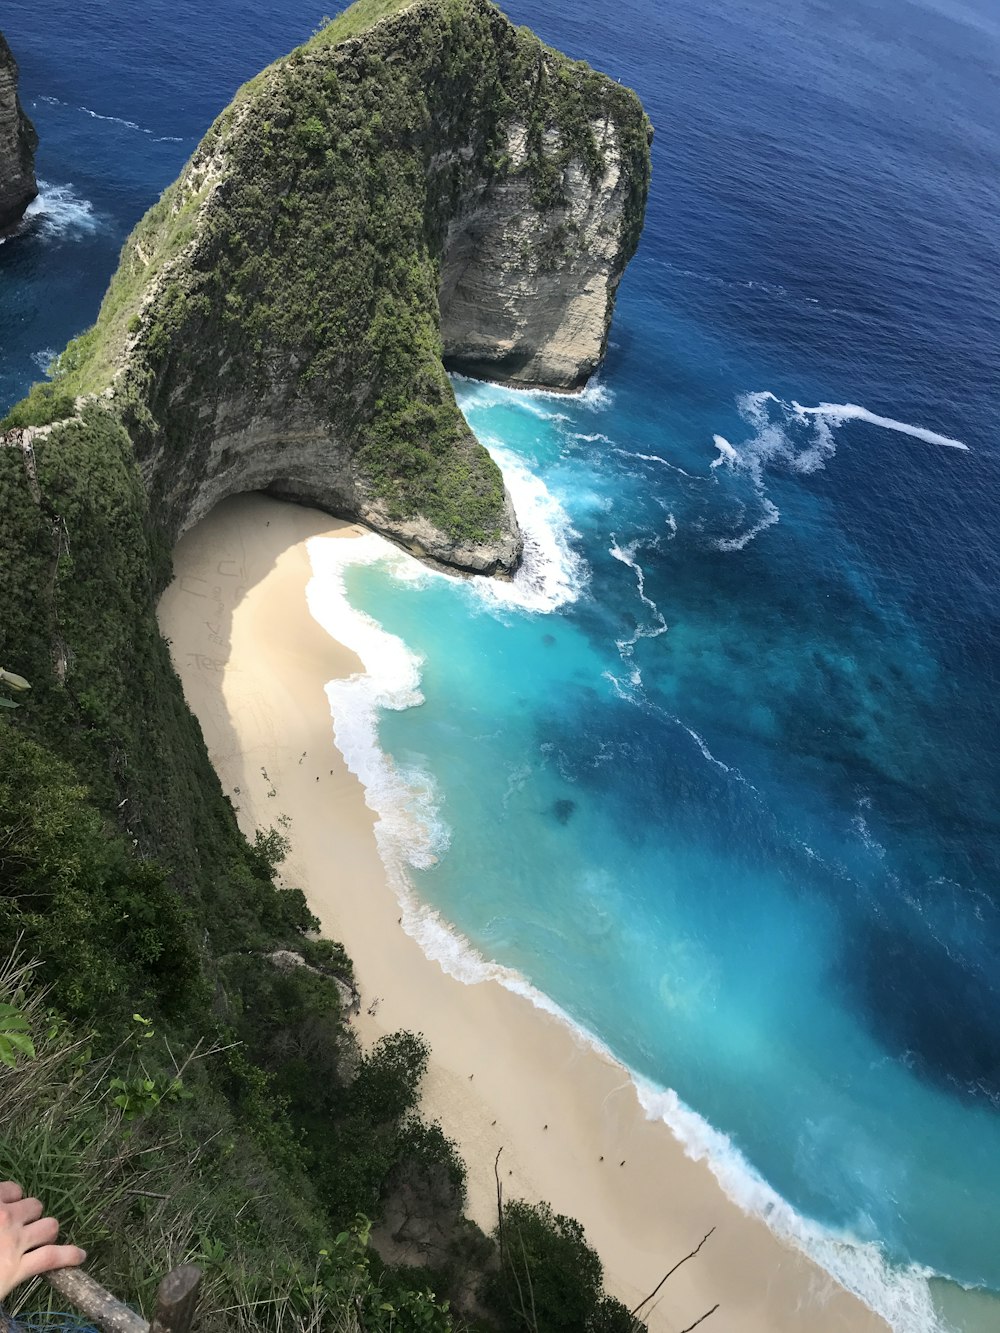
(253, 663)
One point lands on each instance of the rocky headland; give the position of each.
(433, 188)
(18, 142)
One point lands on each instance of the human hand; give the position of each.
(26, 1240)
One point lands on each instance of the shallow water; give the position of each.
(719, 774)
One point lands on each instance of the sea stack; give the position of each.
(18, 142)
(421, 185)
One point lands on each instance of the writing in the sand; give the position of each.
(205, 663)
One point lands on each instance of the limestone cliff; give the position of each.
(421, 184)
(18, 142)
(527, 293)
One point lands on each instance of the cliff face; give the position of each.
(425, 186)
(531, 304)
(18, 142)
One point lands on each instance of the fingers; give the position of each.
(25, 1211)
(48, 1257)
(42, 1232)
(10, 1191)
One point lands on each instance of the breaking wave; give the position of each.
(901, 1296)
(409, 829)
(552, 573)
(59, 213)
(114, 120)
(792, 438)
(411, 832)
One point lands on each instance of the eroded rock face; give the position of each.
(278, 445)
(531, 304)
(18, 142)
(440, 189)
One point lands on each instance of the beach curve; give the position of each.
(254, 665)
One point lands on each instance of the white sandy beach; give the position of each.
(254, 664)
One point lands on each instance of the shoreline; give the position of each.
(254, 664)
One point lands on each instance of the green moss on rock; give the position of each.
(294, 268)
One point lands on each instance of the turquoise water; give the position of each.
(691, 898)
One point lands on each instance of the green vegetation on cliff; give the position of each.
(295, 262)
(294, 268)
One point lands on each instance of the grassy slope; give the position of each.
(356, 20)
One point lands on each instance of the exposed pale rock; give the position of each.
(528, 299)
(18, 142)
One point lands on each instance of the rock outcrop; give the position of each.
(528, 306)
(433, 187)
(18, 142)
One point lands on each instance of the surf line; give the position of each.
(838, 412)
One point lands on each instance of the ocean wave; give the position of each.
(702, 746)
(59, 213)
(626, 647)
(839, 412)
(796, 439)
(551, 573)
(727, 454)
(114, 120)
(594, 438)
(44, 359)
(484, 393)
(901, 1296)
(768, 518)
(409, 830)
(655, 458)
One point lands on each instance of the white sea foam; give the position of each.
(770, 516)
(483, 393)
(552, 573)
(706, 752)
(626, 647)
(727, 454)
(655, 458)
(593, 439)
(114, 120)
(797, 439)
(409, 829)
(901, 1297)
(411, 832)
(626, 555)
(838, 412)
(45, 359)
(60, 213)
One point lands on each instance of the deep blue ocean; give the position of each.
(720, 774)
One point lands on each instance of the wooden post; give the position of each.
(176, 1300)
(88, 1296)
